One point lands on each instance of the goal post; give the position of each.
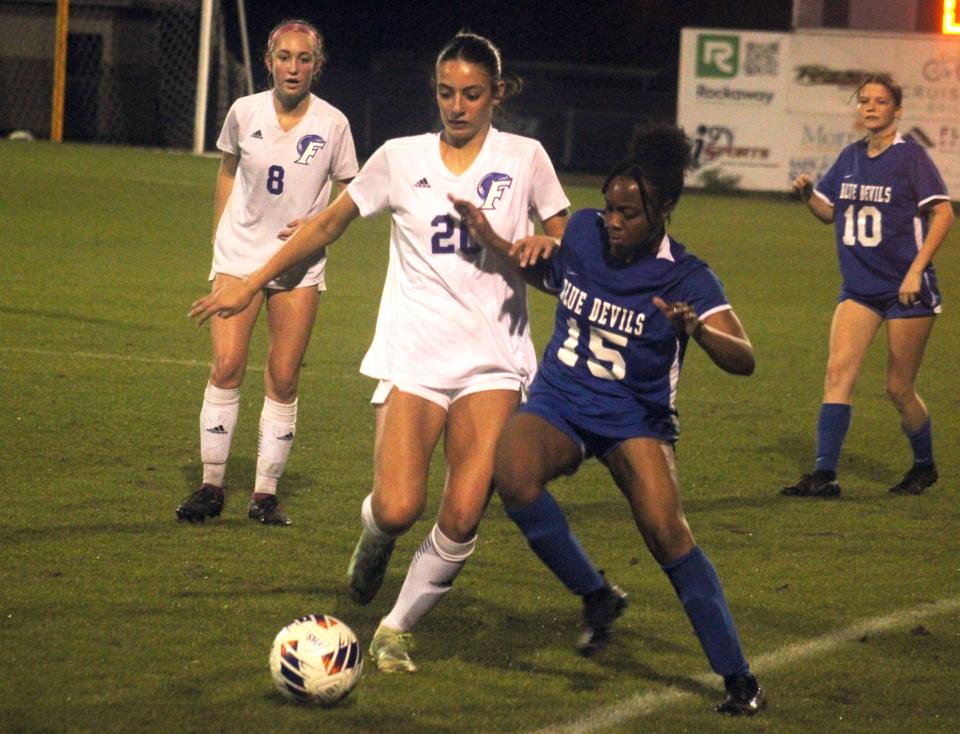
(59, 70)
(203, 76)
(160, 73)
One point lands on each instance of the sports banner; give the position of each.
(763, 107)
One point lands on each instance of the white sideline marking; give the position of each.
(113, 357)
(648, 703)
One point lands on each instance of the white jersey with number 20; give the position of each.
(451, 310)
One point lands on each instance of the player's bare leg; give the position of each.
(410, 430)
(907, 342)
(291, 316)
(473, 424)
(851, 332)
(230, 339)
(531, 452)
(645, 471)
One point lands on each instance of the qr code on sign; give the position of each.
(763, 59)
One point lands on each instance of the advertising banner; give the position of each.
(763, 107)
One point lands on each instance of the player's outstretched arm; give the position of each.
(720, 335)
(803, 185)
(315, 234)
(528, 254)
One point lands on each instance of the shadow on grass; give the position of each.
(478, 632)
(241, 473)
(66, 316)
(234, 514)
(798, 452)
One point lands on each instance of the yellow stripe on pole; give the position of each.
(59, 70)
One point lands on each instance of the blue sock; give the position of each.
(921, 441)
(832, 428)
(696, 582)
(548, 534)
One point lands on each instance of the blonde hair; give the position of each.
(299, 26)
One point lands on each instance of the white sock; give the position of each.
(432, 571)
(369, 523)
(218, 420)
(278, 426)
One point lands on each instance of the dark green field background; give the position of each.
(114, 618)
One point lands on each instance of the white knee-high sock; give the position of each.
(218, 420)
(278, 426)
(369, 523)
(430, 576)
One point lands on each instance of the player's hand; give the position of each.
(531, 250)
(476, 222)
(681, 315)
(286, 233)
(803, 185)
(226, 300)
(910, 289)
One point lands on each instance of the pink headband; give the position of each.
(296, 26)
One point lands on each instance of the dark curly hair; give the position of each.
(661, 156)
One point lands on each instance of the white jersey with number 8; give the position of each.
(282, 176)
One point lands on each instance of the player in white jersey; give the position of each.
(281, 152)
(452, 348)
(891, 213)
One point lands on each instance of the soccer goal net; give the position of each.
(131, 70)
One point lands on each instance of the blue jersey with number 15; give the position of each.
(876, 209)
(614, 359)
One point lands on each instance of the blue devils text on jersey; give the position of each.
(614, 359)
(876, 208)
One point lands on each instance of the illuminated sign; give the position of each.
(950, 23)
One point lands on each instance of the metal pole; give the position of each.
(203, 77)
(59, 71)
(245, 43)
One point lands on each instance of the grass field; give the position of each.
(114, 618)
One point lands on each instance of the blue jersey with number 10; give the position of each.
(876, 208)
(614, 359)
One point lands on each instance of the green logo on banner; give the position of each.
(718, 56)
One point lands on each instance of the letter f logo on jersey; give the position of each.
(492, 188)
(308, 147)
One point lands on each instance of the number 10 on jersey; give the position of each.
(862, 226)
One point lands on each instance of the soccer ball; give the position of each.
(316, 659)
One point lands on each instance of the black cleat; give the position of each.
(267, 511)
(368, 566)
(600, 609)
(916, 480)
(819, 484)
(745, 697)
(205, 502)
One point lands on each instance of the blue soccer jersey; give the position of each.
(614, 359)
(876, 206)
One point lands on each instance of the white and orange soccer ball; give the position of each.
(316, 659)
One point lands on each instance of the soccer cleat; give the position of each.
(917, 479)
(745, 697)
(368, 566)
(267, 511)
(390, 650)
(205, 502)
(819, 484)
(600, 609)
